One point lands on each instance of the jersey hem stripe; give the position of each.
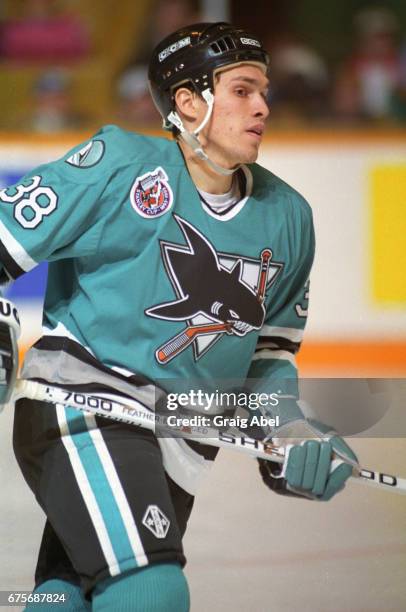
(63, 344)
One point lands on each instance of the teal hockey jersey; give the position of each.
(146, 279)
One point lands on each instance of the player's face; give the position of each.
(240, 109)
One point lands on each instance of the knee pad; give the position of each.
(156, 588)
(69, 597)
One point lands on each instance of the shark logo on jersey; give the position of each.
(88, 156)
(218, 294)
(151, 195)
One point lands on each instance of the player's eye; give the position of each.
(241, 91)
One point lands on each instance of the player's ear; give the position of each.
(188, 104)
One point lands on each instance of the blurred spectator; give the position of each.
(46, 32)
(399, 95)
(371, 77)
(52, 104)
(299, 82)
(166, 16)
(135, 106)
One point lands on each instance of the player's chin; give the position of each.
(249, 156)
(243, 155)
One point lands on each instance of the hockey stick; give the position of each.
(183, 339)
(132, 412)
(266, 256)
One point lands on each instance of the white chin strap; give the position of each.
(191, 138)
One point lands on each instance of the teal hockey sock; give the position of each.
(60, 595)
(155, 588)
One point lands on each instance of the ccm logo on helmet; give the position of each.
(174, 47)
(250, 41)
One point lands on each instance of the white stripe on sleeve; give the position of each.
(16, 251)
(291, 333)
(268, 354)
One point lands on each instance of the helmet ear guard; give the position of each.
(174, 118)
(191, 138)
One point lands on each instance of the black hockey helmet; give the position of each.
(192, 54)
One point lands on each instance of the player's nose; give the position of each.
(261, 108)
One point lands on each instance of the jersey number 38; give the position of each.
(31, 202)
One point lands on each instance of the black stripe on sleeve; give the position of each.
(277, 343)
(13, 269)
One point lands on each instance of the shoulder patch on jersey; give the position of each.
(151, 195)
(88, 156)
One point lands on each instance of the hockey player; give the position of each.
(146, 238)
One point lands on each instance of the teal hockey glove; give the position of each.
(317, 461)
(9, 333)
